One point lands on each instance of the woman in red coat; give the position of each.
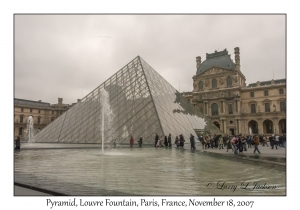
(131, 141)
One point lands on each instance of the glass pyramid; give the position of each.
(143, 103)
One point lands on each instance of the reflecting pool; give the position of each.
(144, 171)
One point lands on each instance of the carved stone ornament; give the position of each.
(235, 78)
(206, 83)
(222, 80)
(198, 61)
(195, 84)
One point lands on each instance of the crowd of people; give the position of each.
(240, 143)
(236, 143)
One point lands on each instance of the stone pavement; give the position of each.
(22, 191)
(277, 156)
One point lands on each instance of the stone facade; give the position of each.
(42, 113)
(220, 92)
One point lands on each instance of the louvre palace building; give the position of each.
(220, 93)
(43, 113)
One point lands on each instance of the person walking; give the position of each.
(234, 143)
(169, 141)
(271, 139)
(156, 140)
(140, 141)
(265, 141)
(131, 141)
(256, 143)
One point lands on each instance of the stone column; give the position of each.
(223, 107)
(238, 106)
(235, 106)
(240, 128)
(221, 125)
(260, 126)
(237, 127)
(276, 126)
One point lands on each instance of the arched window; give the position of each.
(214, 83)
(214, 109)
(200, 85)
(229, 81)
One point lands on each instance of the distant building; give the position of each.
(43, 113)
(220, 92)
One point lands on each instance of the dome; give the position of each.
(217, 59)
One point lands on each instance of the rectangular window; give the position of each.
(266, 93)
(281, 91)
(253, 108)
(230, 111)
(267, 107)
(21, 119)
(39, 111)
(30, 110)
(251, 94)
(22, 109)
(39, 120)
(282, 106)
(52, 112)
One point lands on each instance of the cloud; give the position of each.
(70, 55)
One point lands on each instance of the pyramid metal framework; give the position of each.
(143, 103)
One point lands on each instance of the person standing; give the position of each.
(212, 142)
(220, 142)
(256, 143)
(229, 145)
(276, 143)
(283, 140)
(156, 140)
(169, 141)
(166, 141)
(181, 139)
(192, 141)
(131, 141)
(204, 142)
(140, 141)
(177, 141)
(18, 143)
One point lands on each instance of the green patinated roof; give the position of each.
(217, 59)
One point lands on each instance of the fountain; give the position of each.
(107, 117)
(30, 129)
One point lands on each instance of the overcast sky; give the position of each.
(68, 56)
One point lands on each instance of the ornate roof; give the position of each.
(217, 59)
